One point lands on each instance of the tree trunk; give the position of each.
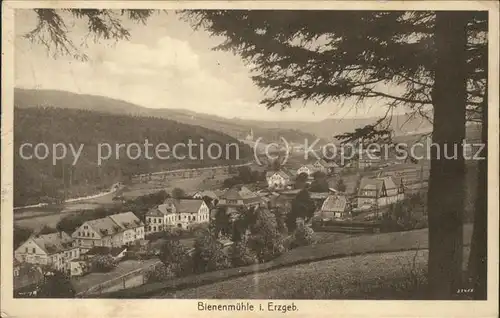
(447, 176)
(479, 245)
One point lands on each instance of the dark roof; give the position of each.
(115, 223)
(334, 203)
(188, 206)
(103, 250)
(237, 193)
(375, 185)
(127, 220)
(53, 243)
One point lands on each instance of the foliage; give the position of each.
(280, 215)
(158, 273)
(178, 193)
(21, 234)
(175, 256)
(242, 255)
(46, 230)
(320, 183)
(300, 180)
(55, 285)
(39, 178)
(264, 239)
(340, 185)
(102, 263)
(405, 215)
(221, 224)
(357, 54)
(245, 175)
(303, 236)
(275, 164)
(302, 207)
(208, 254)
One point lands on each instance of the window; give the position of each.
(34, 250)
(154, 220)
(93, 235)
(26, 250)
(85, 227)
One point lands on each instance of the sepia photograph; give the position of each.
(277, 154)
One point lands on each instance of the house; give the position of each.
(379, 191)
(327, 167)
(240, 196)
(334, 207)
(309, 169)
(181, 213)
(278, 180)
(112, 231)
(54, 250)
(133, 228)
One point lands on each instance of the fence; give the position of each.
(189, 172)
(131, 279)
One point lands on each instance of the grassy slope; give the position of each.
(350, 246)
(370, 276)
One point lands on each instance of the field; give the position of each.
(368, 276)
(352, 246)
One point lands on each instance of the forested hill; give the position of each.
(35, 179)
(237, 128)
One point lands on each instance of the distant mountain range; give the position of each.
(293, 131)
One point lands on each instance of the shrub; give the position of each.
(264, 239)
(159, 273)
(103, 263)
(198, 229)
(302, 236)
(208, 254)
(46, 230)
(175, 256)
(281, 215)
(241, 255)
(55, 285)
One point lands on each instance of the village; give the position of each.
(350, 199)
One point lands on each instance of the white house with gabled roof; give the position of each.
(112, 231)
(54, 250)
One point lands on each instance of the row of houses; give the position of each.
(372, 192)
(186, 212)
(61, 251)
(285, 178)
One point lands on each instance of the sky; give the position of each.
(164, 64)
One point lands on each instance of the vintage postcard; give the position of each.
(241, 158)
